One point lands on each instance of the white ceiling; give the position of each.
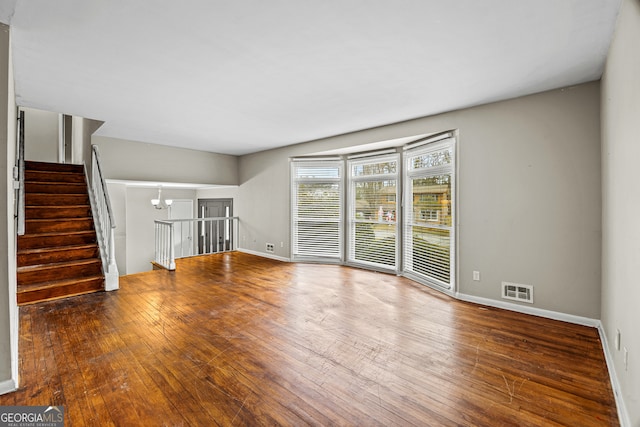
(243, 76)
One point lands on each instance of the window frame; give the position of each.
(409, 174)
(294, 181)
(350, 220)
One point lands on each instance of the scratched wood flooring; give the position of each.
(235, 339)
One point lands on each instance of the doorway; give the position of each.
(214, 236)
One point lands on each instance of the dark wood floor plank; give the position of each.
(234, 339)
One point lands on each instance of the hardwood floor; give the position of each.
(234, 339)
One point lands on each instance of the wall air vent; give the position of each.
(517, 292)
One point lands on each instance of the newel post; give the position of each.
(112, 277)
(172, 250)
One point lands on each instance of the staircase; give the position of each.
(58, 256)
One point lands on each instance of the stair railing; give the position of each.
(18, 176)
(165, 255)
(105, 224)
(182, 238)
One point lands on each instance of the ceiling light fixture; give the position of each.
(157, 202)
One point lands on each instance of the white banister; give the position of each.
(172, 251)
(174, 238)
(105, 224)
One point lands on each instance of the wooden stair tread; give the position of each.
(59, 207)
(25, 299)
(58, 225)
(59, 289)
(82, 218)
(86, 261)
(57, 212)
(56, 195)
(57, 238)
(62, 173)
(55, 248)
(54, 234)
(57, 283)
(54, 176)
(35, 181)
(57, 183)
(33, 187)
(56, 199)
(48, 166)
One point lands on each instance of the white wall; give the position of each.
(621, 202)
(8, 311)
(118, 199)
(529, 194)
(77, 140)
(138, 161)
(40, 135)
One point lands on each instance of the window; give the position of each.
(372, 214)
(413, 234)
(317, 209)
(428, 215)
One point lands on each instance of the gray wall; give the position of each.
(529, 194)
(138, 161)
(621, 202)
(219, 193)
(8, 313)
(40, 135)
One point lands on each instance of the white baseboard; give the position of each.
(623, 415)
(555, 315)
(264, 255)
(7, 386)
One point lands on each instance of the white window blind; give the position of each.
(317, 209)
(429, 212)
(372, 214)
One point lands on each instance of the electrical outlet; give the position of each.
(618, 339)
(271, 247)
(626, 359)
(476, 276)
